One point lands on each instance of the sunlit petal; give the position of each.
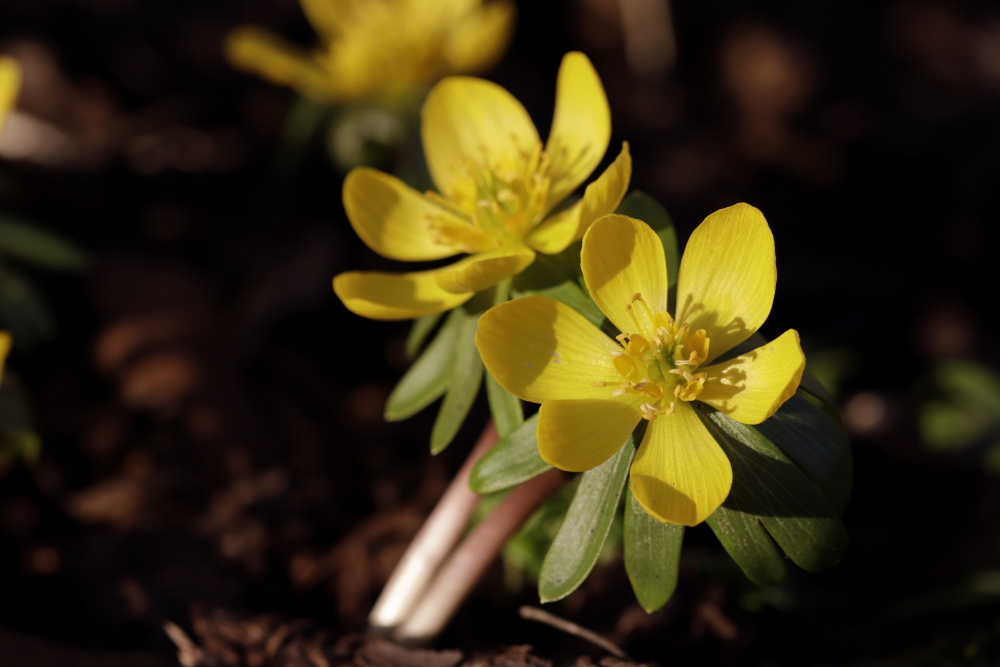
(5, 343)
(621, 258)
(581, 434)
(471, 125)
(480, 37)
(600, 198)
(276, 60)
(680, 474)
(10, 84)
(539, 349)
(392, 218)
(727, 276)
(581, 126)
(751, 387)
(483, 269)
(395, 296)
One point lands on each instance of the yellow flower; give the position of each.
(497, 187)
(385, 49)
(10, 84)
(5, 344)
(594, 390)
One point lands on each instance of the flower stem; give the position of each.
(431, 545)
(457, 576)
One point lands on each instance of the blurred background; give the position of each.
(210, 446)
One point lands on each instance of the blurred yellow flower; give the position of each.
(594, 390)
(497, 187)
(5, 345)
(10, 84)
(384, 49)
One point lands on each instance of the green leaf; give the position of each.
(816, 444)
(514, 459)
(546, 278)
(466, 374)
(505, 408)
(421, 329)
(652, 555)
(769, 486)
(429, 376)
(29, 243)
(748, 544)
(581, 536)
(643, 207)
(23, 310)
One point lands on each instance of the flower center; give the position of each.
(509, 200)
(660, 365)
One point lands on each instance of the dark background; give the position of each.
(213, 451)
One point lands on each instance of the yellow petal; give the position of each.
(751, 387)
(5, 343)
(680, 474)
(262, 53)
(330, 18)
(393, 219)
(539, 349)
(600, 198)
(727, 277)
(578, 435)
(581, 126)
(395, 296)
(483, 270)
(621, 258)
(10, 84)
(479, 38)
(470, 125)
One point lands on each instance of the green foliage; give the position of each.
(772, 490)
(466, 374)
(18, 439)
(581, 536)
(961, 412)
(429, 376)
(652, 555)
(511, 461)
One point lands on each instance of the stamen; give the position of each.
(598, 384)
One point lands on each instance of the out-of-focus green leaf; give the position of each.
(504, 407)
(964, 407)
(581, 536)
(769, 486)
(816, 444)
(643, 207)
(23, 310)
(365, 135)
(512, 460)
(421, 329)
(26, 242)
(18, 439)
(430, 375)
(652, 555)
(466, 373)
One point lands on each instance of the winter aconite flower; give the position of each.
(594, 390)
(10, 84)
(379, 48)
(497, 190)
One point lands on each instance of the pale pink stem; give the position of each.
(431, 545)
(462, 570)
